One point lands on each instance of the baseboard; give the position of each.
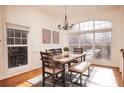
(10, 74)
(105, 66)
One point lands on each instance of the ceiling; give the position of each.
(73, 11)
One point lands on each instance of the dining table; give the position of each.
(63, 60)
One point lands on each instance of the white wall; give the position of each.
(2, 65)
(36, 21)
(121, 38)
(1, 53)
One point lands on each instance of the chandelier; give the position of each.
(66, 25)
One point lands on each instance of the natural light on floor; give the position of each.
(102, 77)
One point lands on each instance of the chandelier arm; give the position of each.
(66, 25)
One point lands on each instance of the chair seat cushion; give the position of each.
(50, 70)
(80, 67)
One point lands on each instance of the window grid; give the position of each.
(16, 37)
(101, 39)
(17, 47)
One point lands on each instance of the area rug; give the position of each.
(99, 77)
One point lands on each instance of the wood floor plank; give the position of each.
(19, 79)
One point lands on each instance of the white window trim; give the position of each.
(20, 27)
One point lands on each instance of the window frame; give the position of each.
(22, 29)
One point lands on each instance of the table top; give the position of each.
(63, 60)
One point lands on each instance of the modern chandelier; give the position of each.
(66, 25)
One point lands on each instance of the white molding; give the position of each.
(10, 73)
(16, 26)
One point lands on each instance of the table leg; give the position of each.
(63, 75)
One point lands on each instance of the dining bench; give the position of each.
(80, 68)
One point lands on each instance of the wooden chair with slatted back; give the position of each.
(49, 67)
(78, 51)
(52, 51)
(81, 65)
(58, 51)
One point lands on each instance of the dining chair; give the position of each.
(58, 51)
(52, 51)
(80, 66)
(49, 68)
(78, 51)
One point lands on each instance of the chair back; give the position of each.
(58, 51)
(52, 51)
(78, 50)
(47, 59)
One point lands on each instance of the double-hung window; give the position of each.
(17, 44)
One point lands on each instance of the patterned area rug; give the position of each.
(37, 81)
(99, 77)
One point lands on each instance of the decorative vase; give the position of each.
(66, 53)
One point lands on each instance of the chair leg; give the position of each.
(53, 80)
(63, 75)
(70, 77)
(80, 79)
(43, 80)
(69, 64)
(88, 71)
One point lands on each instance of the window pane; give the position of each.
(10, 41)
(90, 23)
(103, 38)
(16, 37)
(17, 41)
(86, 39)
(73, 39)
(24, 41)
(17, 56)
(102, 24)
(18, 34)
(87, 45)
(24, 34)
(10, 33)
(103, 45)
(71, 48)
(86, 26)
(103, 52)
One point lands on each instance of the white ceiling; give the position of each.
(73, 11)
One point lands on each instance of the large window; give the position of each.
(17, 47)
(94, 37)
(73, 41)
(86, 26)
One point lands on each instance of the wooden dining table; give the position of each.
(61, 59)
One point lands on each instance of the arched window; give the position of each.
(92, 25)
(93, 36)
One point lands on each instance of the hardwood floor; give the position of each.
(20, 80)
